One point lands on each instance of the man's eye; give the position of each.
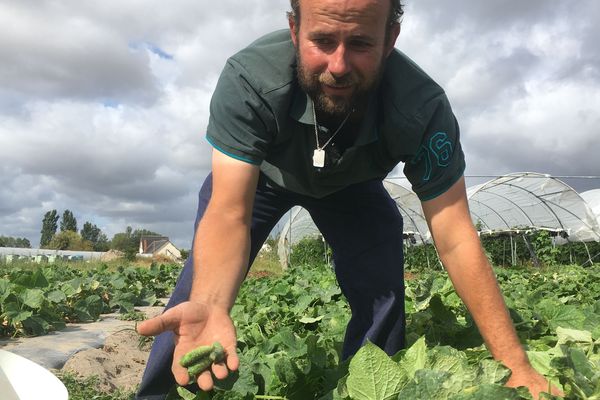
(359, 44)
(323, 42)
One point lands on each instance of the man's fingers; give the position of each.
(231, 359)
(205, 381)
(167, 321)
(181, 376)
(220, 370)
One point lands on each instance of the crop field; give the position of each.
(291, 326)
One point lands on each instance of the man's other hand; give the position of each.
(195, 324)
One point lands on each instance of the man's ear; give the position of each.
(292, 24)
(392, 36)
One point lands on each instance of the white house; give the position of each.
(158, 246)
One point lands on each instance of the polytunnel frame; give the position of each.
(286, 240)
(408, 211)
(542, 199)
(396, 192)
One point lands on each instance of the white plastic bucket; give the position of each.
(22, 379)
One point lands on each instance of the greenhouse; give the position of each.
(12, 254)
(592, 198)
(532, 201)
(299, 224)
(510, 205)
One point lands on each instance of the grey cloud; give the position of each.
(483, 15)
(142, 161)
(61, 55)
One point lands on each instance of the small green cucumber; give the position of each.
(196, 369)
(195, 355)
(218, 353)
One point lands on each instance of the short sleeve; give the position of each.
(439, 161)
(240, 123)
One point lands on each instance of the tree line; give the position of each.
(9, 241)
(89, 238)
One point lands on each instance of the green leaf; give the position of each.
(573, 335)
(487, 392)
(541, 361)
(14, 313)
(89, 309)
(428, 385)
(186, 394)
(56, 296)
(240, 381)
(118, 282)
(310, 320)
(39, 280)
(290, 343)
(559, 315)
(446, 358)
(124, 301)
(5, 289)
(493, 372)
(373, 375)
(580, 364)
(33, 298)
(36, 325)
(415, 358)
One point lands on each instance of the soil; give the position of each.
(118, 364)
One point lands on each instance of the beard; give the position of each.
(337, 106)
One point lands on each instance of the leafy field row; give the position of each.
(37, 301)
(291, 330)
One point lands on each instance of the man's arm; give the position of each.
(221, 253)
(461, 253)
(222, 243)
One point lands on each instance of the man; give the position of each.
(318, 116)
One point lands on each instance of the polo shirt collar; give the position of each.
(301, 111)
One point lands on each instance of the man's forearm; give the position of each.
(476, 284)
(221, 252)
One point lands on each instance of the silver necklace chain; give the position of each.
(317, 129)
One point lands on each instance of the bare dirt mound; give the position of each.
(119, 364)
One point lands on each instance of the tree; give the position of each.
(49, 227)
(93, 234)
(103, 244)
(90, 232)
(129, 241)
(68, 222)
(69, 240)
(9, 241)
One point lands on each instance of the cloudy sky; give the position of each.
(104, 105)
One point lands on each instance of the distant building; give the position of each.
(158, 246)
(13, 254)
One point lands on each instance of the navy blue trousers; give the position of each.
(362, 225)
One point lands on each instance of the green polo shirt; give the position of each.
(258, 114)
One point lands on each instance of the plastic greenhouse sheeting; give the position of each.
(592, 197)
(412, 214)
(523, 201)
(299, 224)
(511, 203)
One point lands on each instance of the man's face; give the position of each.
(341, 47)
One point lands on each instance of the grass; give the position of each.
(266, 263)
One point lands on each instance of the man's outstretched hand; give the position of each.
(195, 324)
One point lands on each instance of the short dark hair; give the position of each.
(396, 12)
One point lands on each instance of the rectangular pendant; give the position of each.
(319, 158)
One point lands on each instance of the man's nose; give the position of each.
(338, 62)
